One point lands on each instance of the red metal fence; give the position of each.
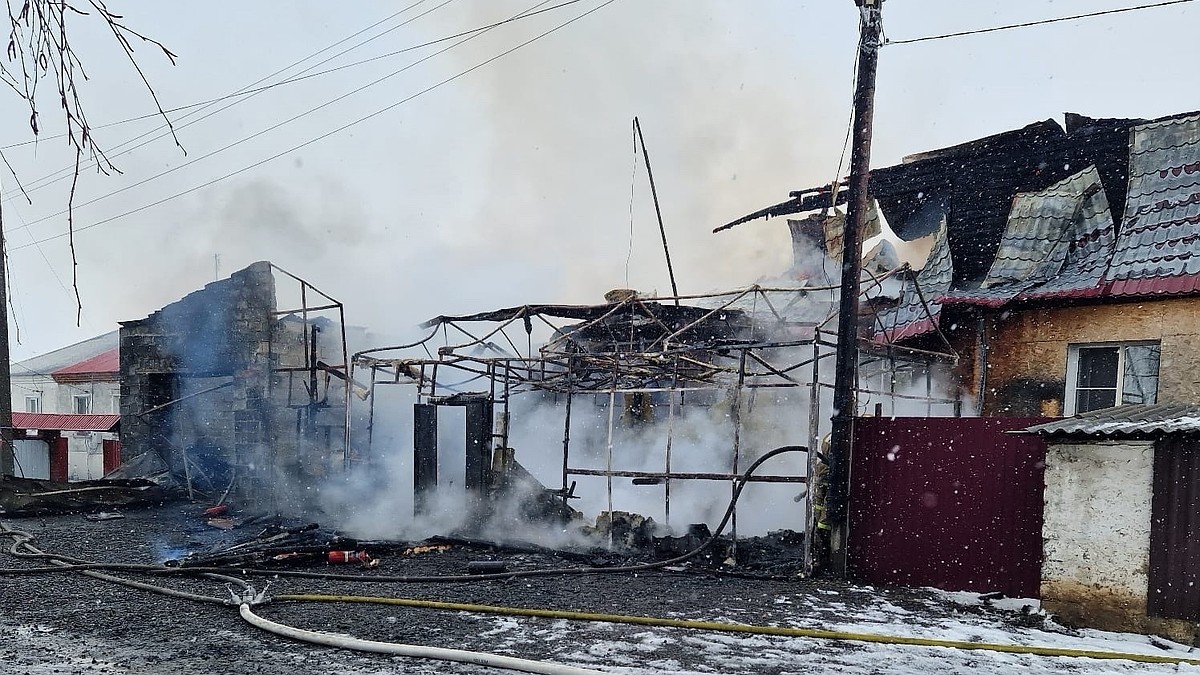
(953, 503)
(1175, 531)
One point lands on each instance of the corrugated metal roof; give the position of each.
(61, 358)
(910, 317)
(63, 422)
(107, 362)
(1158, 248)
(1127, 420)
(1085, 251)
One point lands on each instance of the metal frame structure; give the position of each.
(316, 393)
(646, 353)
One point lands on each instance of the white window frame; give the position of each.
(75, 403)
(37, 403)
(1069, 395)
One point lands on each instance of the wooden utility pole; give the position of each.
(6, 432)
(845, 399)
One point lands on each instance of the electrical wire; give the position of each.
(252, 89)
(305, 143)
(1042, 22)
(244, 91)
(255, 135)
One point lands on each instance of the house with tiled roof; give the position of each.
(1064, 273)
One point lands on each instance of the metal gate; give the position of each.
(32, 459)
(953, 503)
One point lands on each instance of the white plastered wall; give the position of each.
(1097, 518)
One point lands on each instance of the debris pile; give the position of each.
(32, 497)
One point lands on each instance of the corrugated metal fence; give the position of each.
(1174, 591)
(953, 503)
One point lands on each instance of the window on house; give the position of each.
(83, 404)
(116, 404)
(33, 404)
(1107, 375)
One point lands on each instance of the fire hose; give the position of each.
(414, 651)
(22, 540)
(750, 629)
(64, 563)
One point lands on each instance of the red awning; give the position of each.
(63, 422)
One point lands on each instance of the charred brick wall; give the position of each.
(217, 336)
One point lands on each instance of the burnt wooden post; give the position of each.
(479, 442)
(6, 433)
(425, 456)
(845, 400)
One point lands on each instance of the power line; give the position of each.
(252, 89)
(248, 91)
(1037, 23)
(322, 137)
(472, 35)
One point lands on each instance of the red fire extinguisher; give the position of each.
(341, 557)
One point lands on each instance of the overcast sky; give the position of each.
(512, 183)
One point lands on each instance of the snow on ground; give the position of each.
(228, 645)
(635, 650)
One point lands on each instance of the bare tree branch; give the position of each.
(39, 48)
(71, 241)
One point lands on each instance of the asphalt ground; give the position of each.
(67, 623)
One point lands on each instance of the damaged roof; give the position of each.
(919, 308)
(975, 183)
(1056, 244)
(1100, 208)
(1126, 421)
(1158, 248)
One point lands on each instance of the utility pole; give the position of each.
(845, 399)
(6, 431)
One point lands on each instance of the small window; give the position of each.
(83, 404)
(1107, 375)
(116, 404)
(33, 404)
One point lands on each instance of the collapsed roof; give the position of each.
(1102, 208)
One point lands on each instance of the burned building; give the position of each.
(653, 405)
(1063, 263)
(233, 393)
